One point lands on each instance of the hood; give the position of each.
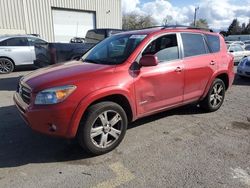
(63, 73)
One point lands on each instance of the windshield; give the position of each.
(113, 50)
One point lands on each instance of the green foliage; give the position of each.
(235, 28)
(202, 23)
(134, 20)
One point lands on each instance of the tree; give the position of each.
(234, 28)
(134, 20)
(223, 33)
(167, 20)
(202, 23)
(246, 30)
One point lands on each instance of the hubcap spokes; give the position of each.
(106, 129)
(216, 95)
(5, 66)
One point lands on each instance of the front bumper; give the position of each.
(45, 118)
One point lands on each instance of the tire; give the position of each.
(97, 134)
(6, 66)
(215, 96)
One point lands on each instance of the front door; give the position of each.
(161, 86)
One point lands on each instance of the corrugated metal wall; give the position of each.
(35, 16)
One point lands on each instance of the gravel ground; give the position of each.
(183, 147)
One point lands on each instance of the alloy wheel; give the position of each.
(106, 129)
(216, 97)
(6, 66)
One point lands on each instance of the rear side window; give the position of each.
(165, 48)
(19, 41)
(193, 44)
(36, 41)
(213, 43)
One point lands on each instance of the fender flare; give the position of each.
(92, 97)
(213, 77)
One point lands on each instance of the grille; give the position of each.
(25, 93)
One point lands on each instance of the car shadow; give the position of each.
(20, 145)
(242, 81)
(9, 84)
(25, 68)
(184, 110)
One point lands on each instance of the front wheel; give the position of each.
(103, 127)
(215, 96)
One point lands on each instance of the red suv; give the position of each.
(125, 77)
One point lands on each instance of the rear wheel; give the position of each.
(6, 66)
(215, 96)
(103, 127)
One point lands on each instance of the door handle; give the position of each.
(212, 63)
(178, 69)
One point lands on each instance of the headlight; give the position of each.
(54, 95)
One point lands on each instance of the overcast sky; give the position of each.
(218, 13)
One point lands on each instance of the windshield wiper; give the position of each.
(90, 61)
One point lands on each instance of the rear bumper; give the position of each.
(42, 118)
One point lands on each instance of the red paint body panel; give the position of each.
(148, 90)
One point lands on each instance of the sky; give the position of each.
(218, 13)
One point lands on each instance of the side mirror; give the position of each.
(148, 60)
(231, 51)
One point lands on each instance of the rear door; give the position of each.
(18, 49)
(199, 65)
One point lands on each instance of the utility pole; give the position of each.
(195, 12)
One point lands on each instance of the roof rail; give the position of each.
(186, 27)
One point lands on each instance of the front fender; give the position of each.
(92, 97)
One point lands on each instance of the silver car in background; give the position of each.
(243, 69)
(238, 52)
(17, 50)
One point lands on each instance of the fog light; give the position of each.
(52, 127)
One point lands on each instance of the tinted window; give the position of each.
(247, 47)
(165, 48)
(33, 41)
(213, 43)
(193, 44)
(20, 41)
(95, 36)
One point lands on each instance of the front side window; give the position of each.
(165, 48)
(193, 44)
(114, 50)
(19, 41)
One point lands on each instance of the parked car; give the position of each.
(61, 52)
(242, 44)
(247, 47)
(243, 69)
(247, 42)
(238, 52)
(77, 40)
(17, 50)
(123, 78)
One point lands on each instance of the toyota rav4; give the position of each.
(125, 77)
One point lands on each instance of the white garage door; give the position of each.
(69, 24)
